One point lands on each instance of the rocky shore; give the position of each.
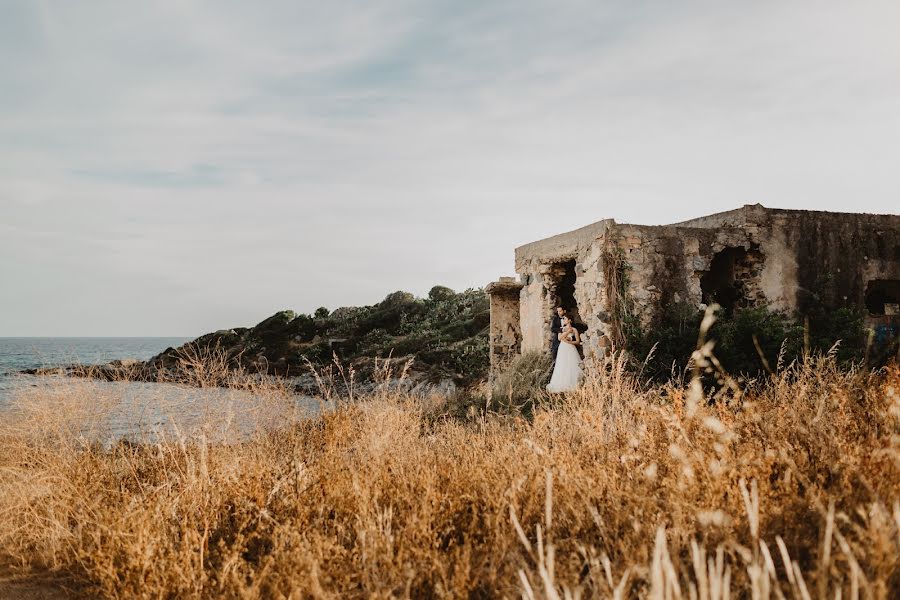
(401, 375)
(421, 345)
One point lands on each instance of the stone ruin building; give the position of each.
(752, 256)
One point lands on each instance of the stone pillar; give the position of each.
(505, 330)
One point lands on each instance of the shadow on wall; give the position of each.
(564, 290)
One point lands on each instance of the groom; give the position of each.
(555, 329)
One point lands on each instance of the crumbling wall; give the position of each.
(590, 293)
(733, 279)
(534, 309)
(539, 298)
(779, 280)
(753, 256)
(663, 265)
(785, 260)
(540, 267)
(505, 328)
(559, 248)
(746, 216)
(838, 254)
(667, 265)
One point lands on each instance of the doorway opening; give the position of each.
(562, 292)
(731, 281)
(883, 296)
(565, 287)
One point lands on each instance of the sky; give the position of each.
(180, 166)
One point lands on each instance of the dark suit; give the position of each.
(555, 328)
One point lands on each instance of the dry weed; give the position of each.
(789, 490)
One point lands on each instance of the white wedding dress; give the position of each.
(567, 370)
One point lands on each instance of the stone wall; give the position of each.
(784, 259)
(747, 215)
(505, 328)
(559, 248)
(590, 294)
(533, 306)
(539, 265)
(667, 265)
(539, 299)
(837, 254)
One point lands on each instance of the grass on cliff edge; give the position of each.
(619, 491)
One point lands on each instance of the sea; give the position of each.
(110, 411)
(17, 354)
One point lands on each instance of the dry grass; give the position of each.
(790, 489)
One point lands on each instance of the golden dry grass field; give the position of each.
(786, 488)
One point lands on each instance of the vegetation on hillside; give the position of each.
(444, 334)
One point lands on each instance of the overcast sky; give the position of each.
(176, 167)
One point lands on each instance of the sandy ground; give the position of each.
(33, 587)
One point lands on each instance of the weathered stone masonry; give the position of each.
(505, 332)
(752, 256)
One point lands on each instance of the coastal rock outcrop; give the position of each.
(422, 345)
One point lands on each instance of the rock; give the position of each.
(126, 363)
(440, 333)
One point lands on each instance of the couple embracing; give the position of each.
(566, 358)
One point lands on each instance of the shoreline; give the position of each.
(311, 384)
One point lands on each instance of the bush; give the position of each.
(671, 339)
(523, 383)
(440, 293)
(774, 332)
(447, 333)
(780, 338)
(375, 340)
(304, 327)
(276, 321)
(469, 358)
(398, 298)
(316, 353)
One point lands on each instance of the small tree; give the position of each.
(439, 293)
(398, 298)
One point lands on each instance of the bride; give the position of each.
(567, 370)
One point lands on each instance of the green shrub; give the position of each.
(447, 333)
(468, 359)
(375, 340)
(439, 293)
(780, 337)
(398, 298)
(774, 331)
(522, 384)
(671, 340)
(316, 353)
(277, 321)
(303, 327)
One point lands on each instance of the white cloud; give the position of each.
(201, 164)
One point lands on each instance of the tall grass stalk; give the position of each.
(789, 488)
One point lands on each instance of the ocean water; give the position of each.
(17, 354)
(107, 411)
